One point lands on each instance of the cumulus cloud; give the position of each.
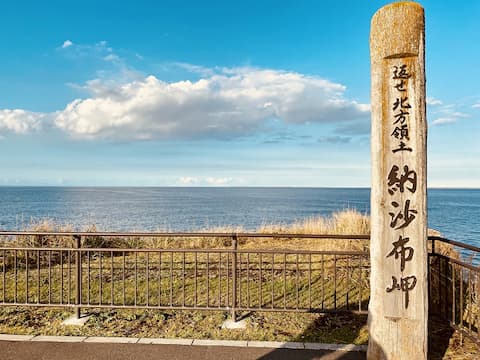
(20, 121)
(230, 102)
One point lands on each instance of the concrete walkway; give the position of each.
(82, 348)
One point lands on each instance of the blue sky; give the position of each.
(218, 93)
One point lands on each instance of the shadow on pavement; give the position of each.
(439, 335)
(325, 323)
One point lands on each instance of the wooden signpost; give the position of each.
(398, 303)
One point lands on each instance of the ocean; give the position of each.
(453, 212)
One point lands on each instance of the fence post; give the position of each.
(78, 275)
(234, 276)
(431, 260)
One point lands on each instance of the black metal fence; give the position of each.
(231, 276)
(454, 285)
(239, 272)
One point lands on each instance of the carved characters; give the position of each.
(401, 182)
(405, 253)
(401, 108)
(406, 284)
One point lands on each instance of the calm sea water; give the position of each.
(454, 212)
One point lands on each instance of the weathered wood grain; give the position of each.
(398, 302)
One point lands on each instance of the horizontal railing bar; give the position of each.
(458, 262)
(465, 332)
(206, 250)
(186, 234)
(174, 307)
(455, 243)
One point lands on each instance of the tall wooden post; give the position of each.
(398, 302)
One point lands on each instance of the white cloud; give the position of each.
(216, 181)
(20, 121)
(230, 102)
(188, 180)
(459, 114)
(448, 115)
(432, 101)
(444, 121)
(100, 50)
(111, 57)
(208, 181)
(476, 106)
(66, 44)
(204, 71)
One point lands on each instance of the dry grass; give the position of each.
(262, 326)
(346, 222)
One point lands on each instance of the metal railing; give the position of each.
(454, 285)
(239, 274)
(231, 277)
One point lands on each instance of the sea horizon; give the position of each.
(455, 212)
(225, 186)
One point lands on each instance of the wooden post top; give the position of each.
(397, 30)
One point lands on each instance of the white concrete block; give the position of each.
(8, 337)
(238, 343)
(335, 347)
(159, 341)
(111, 340)
(276, 344)
(59, 338)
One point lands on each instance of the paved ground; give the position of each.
(40, 350)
